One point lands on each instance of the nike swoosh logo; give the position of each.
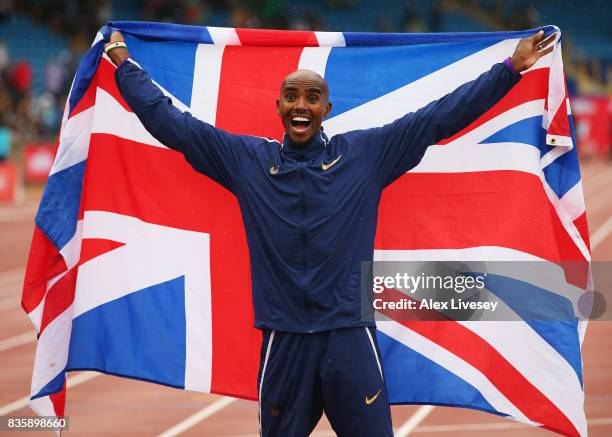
(373, 398)
(327, 166)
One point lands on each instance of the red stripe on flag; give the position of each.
(583, 228)
(165, 190)
(106, 81)
(44, 263)
(94, 247)
(88, 99)
(474, 350)
(533, 86)
(560, 123)
(249, 86)
(277, 38)
(462, 210)
(59, 297)
(59, 401)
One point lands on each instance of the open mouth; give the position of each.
(299, 123)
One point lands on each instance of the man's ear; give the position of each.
(327, 110)
(277, 107)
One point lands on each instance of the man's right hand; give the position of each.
(120, 54)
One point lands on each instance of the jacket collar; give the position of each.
(308, 152)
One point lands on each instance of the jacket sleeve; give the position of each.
(399, 146)
(209, 150)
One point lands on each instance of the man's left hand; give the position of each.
(530, 49)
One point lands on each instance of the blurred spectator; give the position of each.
(57, 73)
(412, 19)
(435, 17)
(5, 58)
(241, 16)
(5, 142)
(22, 77)
(6, 7)
(44, 112)
(308, 21)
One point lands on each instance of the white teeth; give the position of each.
(299, 119)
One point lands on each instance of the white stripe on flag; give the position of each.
(52, 350)
(206, 77)
(115, 120)
(556, 84)
(523, 111)
(330, 39)
(198, 318)
(315, 59)
(521, 346)
(567, 221)
(454, 158)
(71, 252)
(35, 315)
(419, 93)
(224, 36)
(554, 154)
(572, 203)
(453, 364)
(74, 140)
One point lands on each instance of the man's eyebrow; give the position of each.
(316, 88)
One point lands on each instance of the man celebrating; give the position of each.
(309, 206)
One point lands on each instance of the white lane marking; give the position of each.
(601, 233)
(11, 276)
(196, 418)
(24, 401)
(417, 417)
(17, 340)
(19, 212)
(10, 303)
(599, 181)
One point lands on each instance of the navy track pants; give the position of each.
(337, 371)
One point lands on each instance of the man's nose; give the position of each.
(300, 103)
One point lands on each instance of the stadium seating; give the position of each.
(28, 40)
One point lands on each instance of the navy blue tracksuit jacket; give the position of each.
(309, 228)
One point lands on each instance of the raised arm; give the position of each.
(209, 150)
(399, 146)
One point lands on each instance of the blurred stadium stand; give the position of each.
(33, 42)
(41, 42)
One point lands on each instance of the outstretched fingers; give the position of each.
(545, 42)
(546, 51)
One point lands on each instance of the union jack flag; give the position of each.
(138, 262)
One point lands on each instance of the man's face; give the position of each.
(302, 105)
